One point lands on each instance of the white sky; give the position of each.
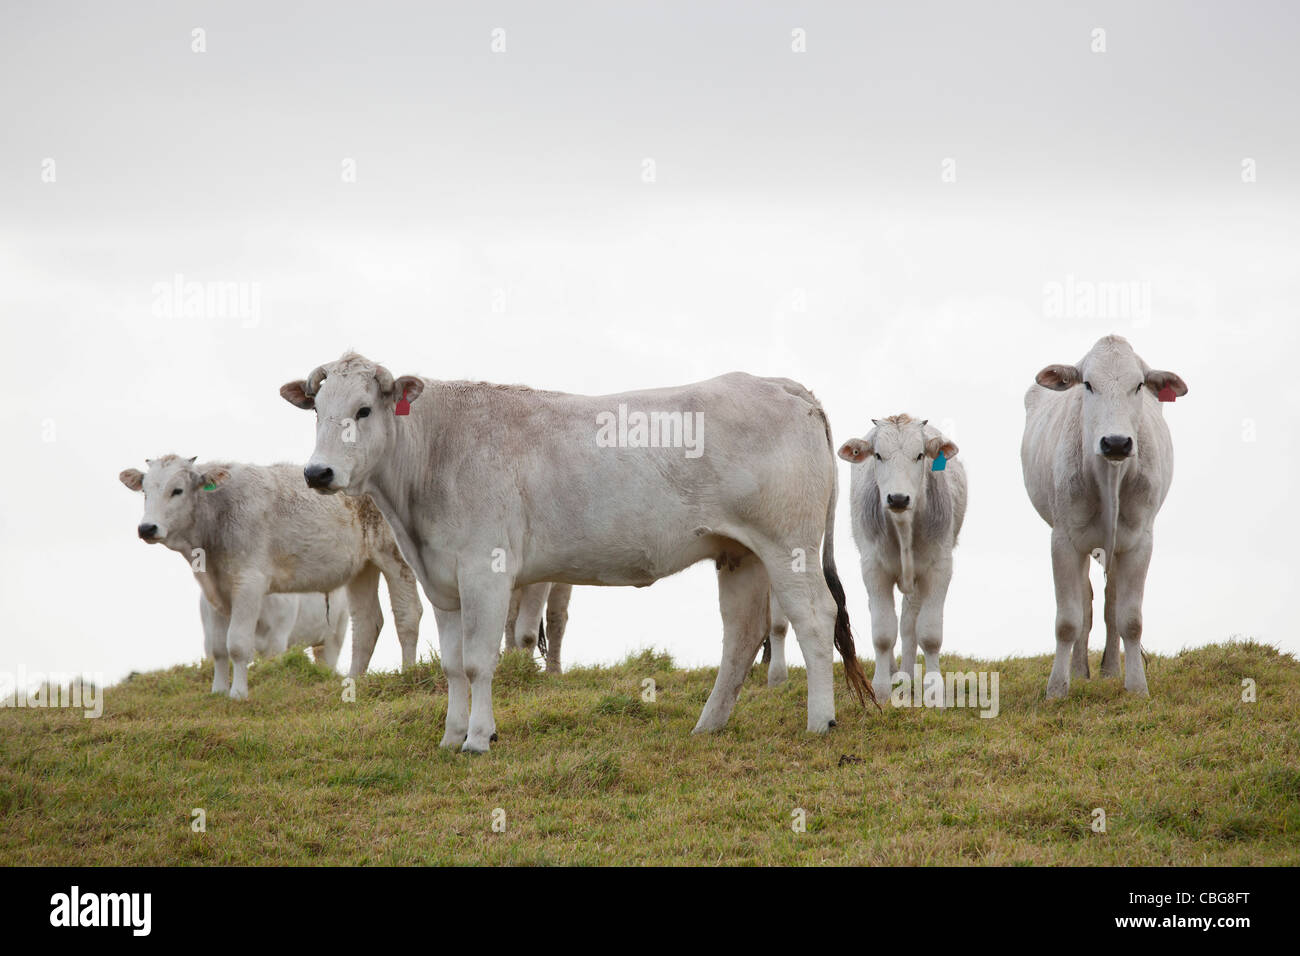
(781, 178)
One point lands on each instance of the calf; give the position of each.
(908, 500)
(1098, 462)
(252, 530)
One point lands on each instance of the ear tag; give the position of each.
(403, 407)
(940, 463)
(1166, 394)
(210, 486)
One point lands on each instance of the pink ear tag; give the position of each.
(1166, 394)
(403, 407)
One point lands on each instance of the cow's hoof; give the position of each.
(451, 740)
(238, 694)
(1137, 691)
(468, 747)
(494, 738)
(831, 724)
(1057, 691)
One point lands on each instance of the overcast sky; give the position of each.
(909, 215)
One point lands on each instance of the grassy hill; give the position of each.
(588, 773)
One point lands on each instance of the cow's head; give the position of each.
(903, 450)
(1116, 382)
(356, 419)
(171, 489)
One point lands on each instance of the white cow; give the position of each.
(317, 621)
(908, 501)
(252, 530)
(525, 628)
(1098, 461)
(491, 487)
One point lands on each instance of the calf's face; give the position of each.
(171, 490)
(1115, 381)
(902, 451)
(356, 405)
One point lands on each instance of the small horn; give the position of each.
(385, 380)
(313, 381)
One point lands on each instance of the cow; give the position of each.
(907, 496)
(252, 530)
(318, 621)
(491, 487)
(1098, 461)
(524, 625)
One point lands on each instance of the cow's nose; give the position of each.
(147, 531)
(318, 476)
(1116, 446)
(898, 502)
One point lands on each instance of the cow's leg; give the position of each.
(532, 603)
(742, 597)
(884, 629)
(907, 630)
(215, 627)
(933, 588)
(453, 666)
(777, 672)
(807, 602)
(557, 619)
(241, 637)
(1110, 656)
(484, 601)
(404, 599)
(367, 617)
(1130, 570)
(1070, 573)
(1079, 660)
(329, 652)
(512, 617)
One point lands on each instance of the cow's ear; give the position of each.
(1158, 380)
(856, 450)
(295, 393)
(214, 478)
(939, 444)
(133, 478)
(408, 387)
(1058, 377)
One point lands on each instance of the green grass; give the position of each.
(587, 772)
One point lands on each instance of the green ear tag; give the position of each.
(210, 486)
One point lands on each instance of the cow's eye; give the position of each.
(363, 411)
(1138, 389)
(878, 458)
(177, 491)
(1088, 386)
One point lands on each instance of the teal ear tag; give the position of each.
(940, 462)
(210, 486)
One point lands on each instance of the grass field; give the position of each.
(586, 772)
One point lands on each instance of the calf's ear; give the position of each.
(855, 450)
(295, 393)
(1058, 377)
(408, 387)
(939, 444)
(214, 478)
(133, 478)
(1158, 380)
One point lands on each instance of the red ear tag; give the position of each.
(403, 406)
(1166, 394)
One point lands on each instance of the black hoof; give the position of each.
(831, 724)
(492, 739)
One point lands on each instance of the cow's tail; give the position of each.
(854, 676)
(541, 634)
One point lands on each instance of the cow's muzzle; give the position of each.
(1116, 447)
(319, 477)
(898, 502)
(147, 532)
